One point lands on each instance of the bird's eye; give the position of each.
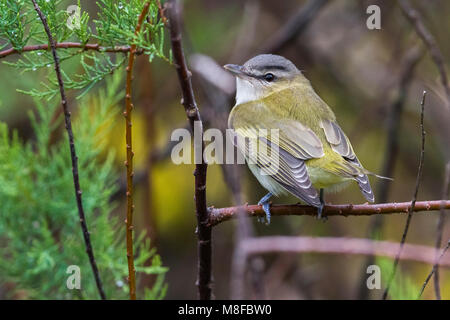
(269, 77)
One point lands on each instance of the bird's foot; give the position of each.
(319, 213)
(320, 208)
(264, 202)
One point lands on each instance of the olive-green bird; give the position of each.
(313, 151)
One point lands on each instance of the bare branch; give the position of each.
(219, 215)
(395, 114)
(413, 202)
(416, 20)
(357, 246)
(247, 31)
(433, 270)
(73, 154)
(130, 155)
(294, 27)
(193, 115)
(67, 45)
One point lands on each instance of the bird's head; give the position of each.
(262, 75)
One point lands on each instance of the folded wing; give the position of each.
(351, 167)
(289, 145)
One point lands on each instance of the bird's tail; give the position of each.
(363, 180)
(353, 169)
(378, 176)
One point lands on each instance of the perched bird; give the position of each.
(313, 151)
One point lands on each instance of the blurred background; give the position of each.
(362, 74)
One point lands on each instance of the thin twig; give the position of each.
(73, 154)
(161, 13)
(413, 202)
(440, 228)
(395, 110)
(395, 114)
(415, 19)
(434, 270)
(343, 246)
(193, 115)
(67, 45)
(130, 154)
(219, 215)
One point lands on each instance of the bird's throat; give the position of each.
(246, 91)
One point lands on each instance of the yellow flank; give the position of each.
(321, 178)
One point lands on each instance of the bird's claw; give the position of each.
(319, 213)
(320, 207)
(264, 202)
(266, 218)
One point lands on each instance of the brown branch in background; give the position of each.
(415, 19)
(193, 115)
(433, 270)
(343, 246)
(67, 45)
(247, 30)
(395, 110)
(413, 202)
(73, 154)
(219, 215)
(440, 228)
(161, 11)
(129, 161)
(295, 25)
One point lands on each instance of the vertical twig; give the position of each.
(440, 229)
(193, 115)
(433, 270)
(129, 161)
(394, 120)
(412, 57)
(415, 19)
(73, 154)
(413, 202)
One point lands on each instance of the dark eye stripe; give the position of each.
(275, 68)
(272, 67)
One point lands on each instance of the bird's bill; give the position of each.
(235, 69)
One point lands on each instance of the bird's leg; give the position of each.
(264, 202)
(322, 204)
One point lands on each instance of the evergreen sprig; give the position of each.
(39, 229)
(114, 27)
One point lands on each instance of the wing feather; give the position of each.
(352, 167)
(293, 176)
(290, 172)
